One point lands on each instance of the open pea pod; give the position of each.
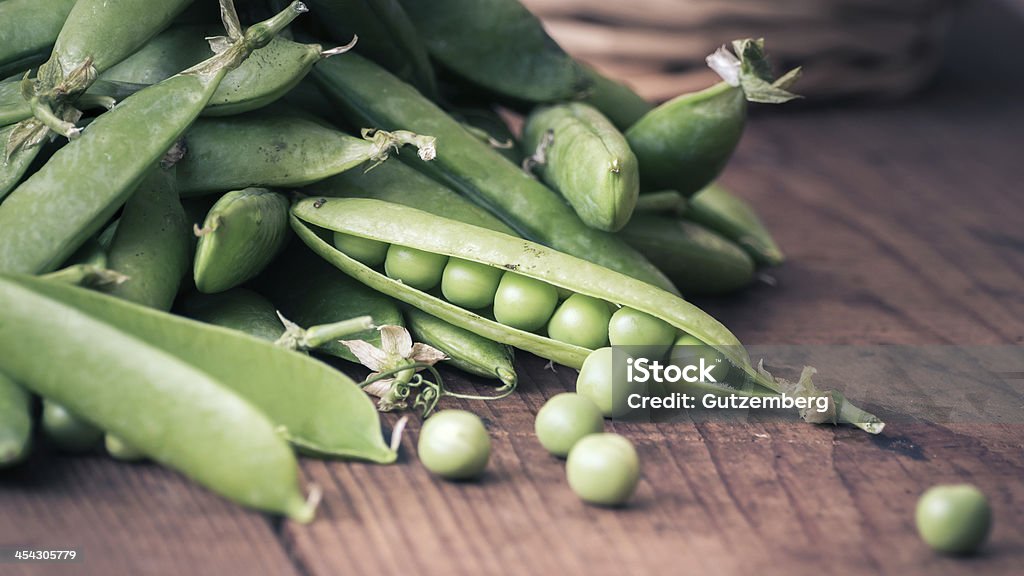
(316, 219)
(315, 407)
(176, 413)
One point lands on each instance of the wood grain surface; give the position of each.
(902, 224)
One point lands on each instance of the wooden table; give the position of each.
(903, 224)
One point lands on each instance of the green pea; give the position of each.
(470, 284)
(603, 469)
(629, 327)
(67, 431)
(369, 252)
(581, 321)
(523, 302)
(954, 519)
(454, 444)
(419, 269)
(602, 380)
(564, 420)
(120, 450)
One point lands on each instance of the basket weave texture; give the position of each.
(848, 48)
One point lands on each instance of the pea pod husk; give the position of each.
(313, 406)
(698, 260)
(684, 144)
(734, 218)
(241, 235)
(409, 227)
(29, 29)
(579, 153)
(271, 150)
(41, 225)
(151, 245)
(371, 96)
(268, 74)
(145, 395)
(499, 45)
(15, 422)
(466, 350)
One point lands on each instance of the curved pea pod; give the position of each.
(397, 182)
(466, 350)
(15, 164)
(265, 76)
(615, 100)
(732, 217)
(697, 260)
(145, 395)
(685, 143)
(394, 224)
(242, 233)
(279, 151)
(386, 35)
(370, 95)
(41, 223)
(310, 292)
(578, 152)
(499, 45)
(314, 407)
(239, 309)
(151, 245)
(15, 422)
(28, 29)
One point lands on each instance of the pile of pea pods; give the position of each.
(203, 224)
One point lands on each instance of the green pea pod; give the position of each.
(396, 224)
(372, 96)
(698, 260)
(309, 292)
(315, 407)
(465, 350)
(732, 217)
(279, 151)
(579, 153)
(685, 143)
(396, 182)
(242, 233)
(499, 45)
(15, 422)
(28, 29)
(239, 309)
(151, 245)
(386, 35)
(618, 102)
(265, 76)
(145, 395)
(41, 224)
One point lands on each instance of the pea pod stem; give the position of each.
(298, 338)
(87, 275)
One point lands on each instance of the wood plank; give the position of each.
(130, 519)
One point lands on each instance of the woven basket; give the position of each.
(848, 48)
